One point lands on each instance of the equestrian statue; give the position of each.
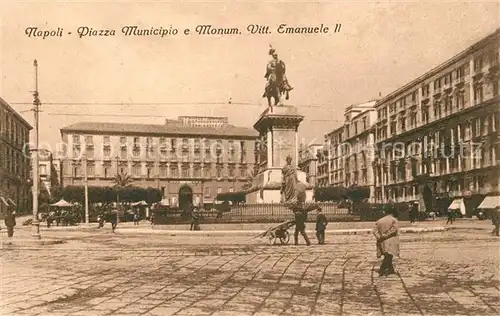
(277, 83)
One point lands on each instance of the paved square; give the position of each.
(99, 273)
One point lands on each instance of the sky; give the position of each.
(381, 46)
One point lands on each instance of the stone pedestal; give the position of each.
(278, 138)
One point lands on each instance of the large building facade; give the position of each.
(308, 161)
(358, 147)
(442, 126)
(349, 149)
(191, 159)
(14, 157)
(330, 162)
(49, 170)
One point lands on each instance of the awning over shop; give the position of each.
(4, 201)
(141, 203)
(7, 201)
(62, 203)
(165, 202)
(457, 205)
(490, 202)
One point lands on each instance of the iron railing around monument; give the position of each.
(252, 213)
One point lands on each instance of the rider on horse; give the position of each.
(276, 75)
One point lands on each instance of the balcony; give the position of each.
(447, 87)
(459, 82)
(477, 74)
(425, 97)
(493, 66)
(437, 93)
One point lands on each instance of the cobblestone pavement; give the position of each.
(99, 273)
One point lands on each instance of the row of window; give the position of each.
(356, 178)
(455, 76)
(481, 157)
(12, 129)
(13, 161)
(163, 172)
(440, 109)
(161, 141)
(474, 183)
(353, 129)
(136, 153)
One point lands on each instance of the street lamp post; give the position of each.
(35, 224)
(86, 184)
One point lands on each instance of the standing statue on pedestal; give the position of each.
(277, 82)
(289, 182)
(293, 192)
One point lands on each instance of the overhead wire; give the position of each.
(164, 103)
(154, 104)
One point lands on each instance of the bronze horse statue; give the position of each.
(277, 82)
(274, 91)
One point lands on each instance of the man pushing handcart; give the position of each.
(294, 196)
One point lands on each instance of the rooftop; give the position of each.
(225, 131)
(361, 106)
(492, 38)
(17, 115)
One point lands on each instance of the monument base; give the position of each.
(266, 187)
(278, 142)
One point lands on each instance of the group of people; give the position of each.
(294, 197)
(386, 229)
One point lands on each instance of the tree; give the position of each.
(424, 181)
(331, 193)
(121, 181)
(234, 197)
(153, 195)
(358, 194)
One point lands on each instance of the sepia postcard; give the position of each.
(249, 158)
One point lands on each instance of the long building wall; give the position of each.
(208, 165)
(443, 125)
(14, 156)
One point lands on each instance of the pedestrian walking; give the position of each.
(495, 220)
(195, 219)
(114, 220)
(10, 222)
(100, 220)
(136, 219)
(386, 232)
(152, 218)
(300, 214)
(321, 223)
(451, 217)
(50, 219)
(413, 208)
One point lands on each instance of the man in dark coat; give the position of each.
(495, 220)
(195, 219)
(300, 214)
(114, 219)
(10, 222)
(321, 223)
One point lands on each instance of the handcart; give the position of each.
(278, 232)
